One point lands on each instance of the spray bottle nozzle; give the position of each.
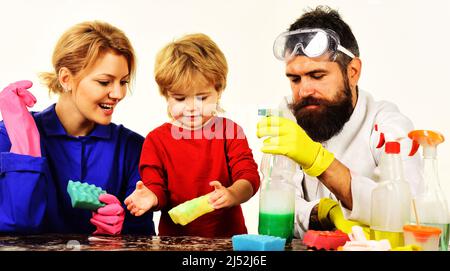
(381, 139)
(392, 147)
(427, 139)
(387, 134)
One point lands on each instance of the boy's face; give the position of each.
(192, 107)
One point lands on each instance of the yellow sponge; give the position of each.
(190, 210)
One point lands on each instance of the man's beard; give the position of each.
(328, 120)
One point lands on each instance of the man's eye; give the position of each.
(180, 99)
(295, 79)
(317, 76)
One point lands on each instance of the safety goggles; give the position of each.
(309, 42)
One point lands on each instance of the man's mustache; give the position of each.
(308, 101)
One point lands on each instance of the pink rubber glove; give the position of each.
(108, 219)
(20, 125)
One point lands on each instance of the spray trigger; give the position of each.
(414, 147)
(381, 140)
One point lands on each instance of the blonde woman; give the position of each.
(93, 65)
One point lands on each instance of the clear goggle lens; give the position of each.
(309, 42)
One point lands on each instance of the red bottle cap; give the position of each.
(392, 147)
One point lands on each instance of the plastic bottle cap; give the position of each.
(422, 231)
(392, 147)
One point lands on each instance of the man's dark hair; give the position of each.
(327, 18)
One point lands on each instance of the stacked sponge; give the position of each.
(84, 195)
(254, 242)
(328, 240)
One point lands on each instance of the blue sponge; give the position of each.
(254, 242)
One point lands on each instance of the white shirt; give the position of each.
(356, 147)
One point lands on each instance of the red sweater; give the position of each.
(178, 164)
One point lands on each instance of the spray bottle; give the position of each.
(277, 193)
(431, 203)
(391, 199)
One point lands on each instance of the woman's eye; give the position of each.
(124, 83)
(180, 99)
(103, 83)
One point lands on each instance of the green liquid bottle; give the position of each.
(281, 225)
(277, 192)
(277, 197)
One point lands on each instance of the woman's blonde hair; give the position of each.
(81, 45)
(180, 61)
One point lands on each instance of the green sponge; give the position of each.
(84, 195)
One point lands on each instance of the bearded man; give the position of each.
(335, 131)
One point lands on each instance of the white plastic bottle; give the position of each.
(391, 199)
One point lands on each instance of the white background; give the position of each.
(405, 48)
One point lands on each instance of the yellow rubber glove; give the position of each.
(287, 138)
(330, 214)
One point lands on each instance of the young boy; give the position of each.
(196, 153)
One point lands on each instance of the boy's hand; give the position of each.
(221, 197)
(141, 200)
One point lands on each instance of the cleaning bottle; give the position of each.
(277, 193)
(391, 199)
(431, 203)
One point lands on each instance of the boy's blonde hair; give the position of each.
(81, 45)
(183, 59)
